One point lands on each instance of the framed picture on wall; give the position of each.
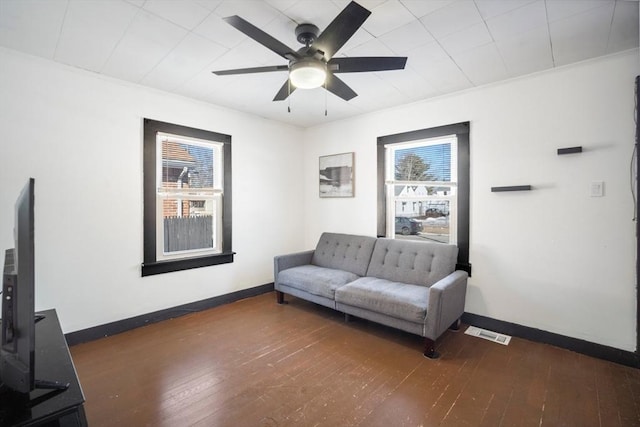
(336, 175)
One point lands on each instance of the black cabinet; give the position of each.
(53, 362)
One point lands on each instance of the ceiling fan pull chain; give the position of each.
(289, 95)
(325, 98)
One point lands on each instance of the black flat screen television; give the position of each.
(19, 319)
(18, 312)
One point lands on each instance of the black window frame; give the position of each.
(151, 265)
(461, 130)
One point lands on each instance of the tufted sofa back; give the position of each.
(344, 252)
(417, 263)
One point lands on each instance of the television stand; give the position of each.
(58, 402)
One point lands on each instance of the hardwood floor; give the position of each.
(256, 363)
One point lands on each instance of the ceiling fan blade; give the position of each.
(284, 91)
(261, 37)
(252, 70)
(339, 88)
(341, 29)
(367, 63)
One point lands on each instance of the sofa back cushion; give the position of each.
(344, 251)
(416, 263)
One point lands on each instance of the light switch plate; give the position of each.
(597, 188)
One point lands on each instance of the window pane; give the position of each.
(436, 226)
(187, 165)
(425, 219)
(188, 225)
(426, 163)
(203, 173)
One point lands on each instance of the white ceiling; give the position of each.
(451, 45)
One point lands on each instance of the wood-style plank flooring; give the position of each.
(256, 363)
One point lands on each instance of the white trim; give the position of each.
(424, 183)
(188, 193)
(422, 142)
(162, 137)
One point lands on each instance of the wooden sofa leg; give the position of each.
(429, 349)
(280, 297)
(455, 326)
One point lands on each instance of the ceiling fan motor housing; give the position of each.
(307, 34)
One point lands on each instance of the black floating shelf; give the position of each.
(569, 150)
(511, 188)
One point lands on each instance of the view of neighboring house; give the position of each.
(188, 219)
(185, 166)
(431, 206)
(176, 163)
(429, 161)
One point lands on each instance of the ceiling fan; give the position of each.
(314, 65)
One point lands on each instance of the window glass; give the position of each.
(421, 189)
(423, 162)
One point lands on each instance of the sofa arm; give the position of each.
(446, 303)
(282, 262)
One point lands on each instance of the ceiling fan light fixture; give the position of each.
(308, 74)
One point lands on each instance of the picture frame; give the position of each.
(336, 175)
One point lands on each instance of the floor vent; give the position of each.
(488, 335)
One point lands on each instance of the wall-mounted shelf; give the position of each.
(569, 150)
(511, 188)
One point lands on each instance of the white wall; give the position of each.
(553, 258)
(80, 136)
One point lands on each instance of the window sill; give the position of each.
(160, 267)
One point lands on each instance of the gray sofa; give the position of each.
(408, 285)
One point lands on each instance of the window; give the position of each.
(421, 183)
(423, 187)
(187, 197)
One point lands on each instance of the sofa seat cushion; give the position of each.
(316, 280)
(395, 299)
